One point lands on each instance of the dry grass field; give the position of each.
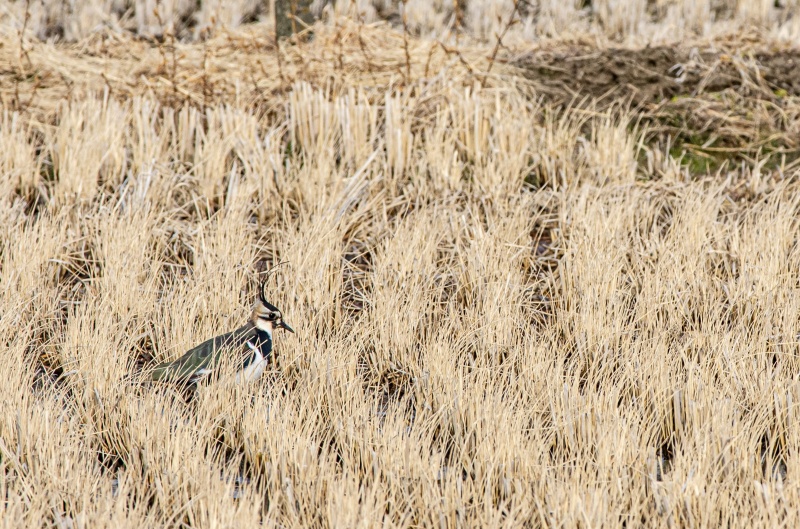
(550, 280)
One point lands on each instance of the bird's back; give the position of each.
(200, 359)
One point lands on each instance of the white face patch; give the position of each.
(265, 325)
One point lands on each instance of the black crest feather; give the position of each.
(262, 291)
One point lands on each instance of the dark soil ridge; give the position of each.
(652, 75)
(735, 102)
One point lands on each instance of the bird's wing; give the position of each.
(206, 356)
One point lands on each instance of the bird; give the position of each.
(252, 342)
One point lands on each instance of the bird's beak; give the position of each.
(284, 325)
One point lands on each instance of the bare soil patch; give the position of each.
(652, 75)
(726, 103)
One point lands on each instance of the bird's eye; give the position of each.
(272, 316)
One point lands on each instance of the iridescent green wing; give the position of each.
(200, 360)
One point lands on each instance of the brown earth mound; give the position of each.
(656, 74)
(736, 100)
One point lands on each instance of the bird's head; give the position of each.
(266, 316)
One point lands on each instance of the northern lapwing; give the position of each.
(250, 344)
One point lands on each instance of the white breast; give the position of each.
(255, 369)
